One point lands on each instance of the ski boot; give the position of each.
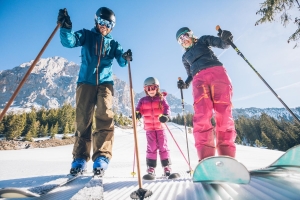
(168, 174)
(151, 174)
(167, 171)
(100, 165)
(78, 166)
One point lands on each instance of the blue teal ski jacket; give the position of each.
(97, 54)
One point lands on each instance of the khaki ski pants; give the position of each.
(92, 99)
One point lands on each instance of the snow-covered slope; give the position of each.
(32, 167)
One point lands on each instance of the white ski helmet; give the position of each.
(151, 81)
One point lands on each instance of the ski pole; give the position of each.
(133, 166)
(218, 28)
(28, 73)
(191, 169)
(140, 193)
(184, 119)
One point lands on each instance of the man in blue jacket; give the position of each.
(94, 93)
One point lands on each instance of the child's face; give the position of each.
(151, 90)
(152, 93)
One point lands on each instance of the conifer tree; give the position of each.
(52, 134)
(15, 126)
(44, 130)
(28, 136)
(31, 118)
(266, 141)
(55, 128)
(270, 9)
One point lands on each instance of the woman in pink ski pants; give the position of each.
(212, 93)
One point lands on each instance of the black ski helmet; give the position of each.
(181, 31)
(105, 13)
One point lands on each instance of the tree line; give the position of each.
(45, 122)
(263, 131)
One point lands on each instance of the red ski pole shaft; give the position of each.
(28, 73)
(179, 148)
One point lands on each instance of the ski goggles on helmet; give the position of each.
(184, 37)
(104, 22)
(151, 87)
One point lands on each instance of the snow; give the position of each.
(30, 168)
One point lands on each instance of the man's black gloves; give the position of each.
(127, 55)
(64, 19)
(163, 118)
(225, 36)
(182, 85)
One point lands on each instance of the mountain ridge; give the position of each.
(52, 83)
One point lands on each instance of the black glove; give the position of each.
(163, 118)
(138, 115)
(225, 35)
(182, 85)
(64, 19)
(127, 55)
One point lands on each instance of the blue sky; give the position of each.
(148, 28)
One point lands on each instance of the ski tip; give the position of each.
(16, 193)
(148, 177)
(174, 176)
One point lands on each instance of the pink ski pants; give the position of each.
(157, 140)
(212, 92)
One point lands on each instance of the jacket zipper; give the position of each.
(99, 58)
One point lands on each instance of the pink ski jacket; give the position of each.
(149, 108)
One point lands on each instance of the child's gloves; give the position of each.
(163, 118)
(138, 115)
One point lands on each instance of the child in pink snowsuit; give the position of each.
(212, 92)
(155, 110)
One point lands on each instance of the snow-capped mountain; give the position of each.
(52, 83)
(276, 113)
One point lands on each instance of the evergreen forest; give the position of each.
(264, 131)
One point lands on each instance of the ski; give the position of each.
(173, 176)
(37, 191)
(92, 190)
(288, 163)
(221, 169)
(150, 177)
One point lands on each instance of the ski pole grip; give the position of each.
(218, 28)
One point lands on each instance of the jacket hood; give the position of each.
(164, 94)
